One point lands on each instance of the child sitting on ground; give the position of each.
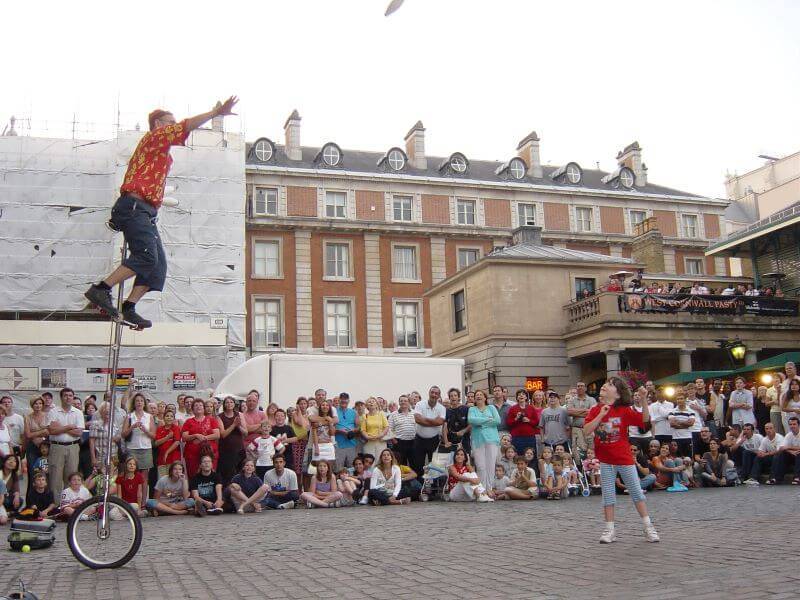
(500, 483)
(72, 497)
(591, 467)
(571, 473)
(530, 457)
(545, 464)
(508, 460)
(40, 497)
(555, 486)
(523, 482)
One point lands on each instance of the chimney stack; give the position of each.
(527, 234)
(291, 131)
(216, 122)
(631, 157)
(415, 146)
(528, 150)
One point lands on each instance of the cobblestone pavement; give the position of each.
(715, 543)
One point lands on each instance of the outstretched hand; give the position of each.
(226, 108)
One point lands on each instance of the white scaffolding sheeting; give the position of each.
(56, 195)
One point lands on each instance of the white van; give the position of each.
(282, 378)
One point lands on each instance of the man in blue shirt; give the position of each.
(347, 432)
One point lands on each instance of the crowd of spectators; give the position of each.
(199, 456)
(638, 286)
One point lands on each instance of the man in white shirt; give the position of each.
(65, 424)
(15, 424)
(788, 453)
(767, 450)
(429, 415)
(681, 420)
(741, 404)
(698, 406)
(744, 449)
(659, 417)
(180, 414)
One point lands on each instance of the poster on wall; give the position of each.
(184, 381)
(147, 382)
(52, 379)
(23, 379)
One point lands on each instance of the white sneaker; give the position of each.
(287, 505)
(651, 534)
(751, 481)
(484, 498)
(608, 537)
(364, 500)
(83, 518)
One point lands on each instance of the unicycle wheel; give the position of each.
(108, 548)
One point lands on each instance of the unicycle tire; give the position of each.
(84, 539)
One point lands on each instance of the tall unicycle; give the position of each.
(105, 532)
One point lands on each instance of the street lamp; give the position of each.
(735, 350)
(738, 350)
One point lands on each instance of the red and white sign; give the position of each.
(184, 381)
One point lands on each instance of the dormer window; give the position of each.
(626, 177)
(330, 154)
(263, 150)
(396, 159)
(457, 164)
(517, 168)
(570, 173)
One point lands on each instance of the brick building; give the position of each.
(343, 244)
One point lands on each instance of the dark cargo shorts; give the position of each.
(136, 220)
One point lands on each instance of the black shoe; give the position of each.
(129, 316)
(102, 299)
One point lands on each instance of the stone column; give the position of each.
(302, 244)
(612, 362)
(574, 370)
(685, 360)
(372, 256)
(438, 267)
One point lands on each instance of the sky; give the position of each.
(704, 86)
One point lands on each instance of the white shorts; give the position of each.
(327, 451)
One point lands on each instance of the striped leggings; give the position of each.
(630, 477)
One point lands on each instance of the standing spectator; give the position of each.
(253, 417)
(640, 436)
(789, 454)
(790, 401)
(403, 428)
(35, 433)
(199, 434)
(773, 400)
(429, 415)
(386, 482)
(65, 425)
(660, 410)
(761, 408)
(300, 426)
(98, 437)
(698, 407)
(282, 485)
(456, 427)
(286, 435)
(323, 430)
(171, 492)
(205, 485)
(15, 424)
(502, 407)
(5, 437)
(232, 431)
(608, 422)
(741, 404)
(183, 411)
(554, 422)
(769, 448)
(484, 420)
(140, 430)
(265, 447)
(168, 444)
(681, 420)
(577, 408)
(522, 420)
(347, 430)
(709, 400)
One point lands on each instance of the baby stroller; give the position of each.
(434, 476)
(583, 481)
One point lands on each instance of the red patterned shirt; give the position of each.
(150, 163)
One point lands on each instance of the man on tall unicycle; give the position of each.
(135, 213)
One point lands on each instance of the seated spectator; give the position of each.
(508, 460)
(464, 483)
(672, 468)
(354, 485)
(747, 445)
(10, 476)
(769, 448)
(3, 511)
(39, 497)
(591, 468)
(171, 493)
(555, 485)
(72, 497)
(386, 482)
(500, 483)
(323, 491)
(716, 466)
(545, 462)
(699, 447)
(131, 485)
(789, 454)
(646, 479)
(523, 482)
(265, 447)
(206, 488)
(283, 490)
(246, 488)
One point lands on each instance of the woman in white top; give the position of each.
(403, 430)
(790, 403)
(636, 435)
(386, 481)
(141, 428)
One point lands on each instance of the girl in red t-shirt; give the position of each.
(130, 485)
(609, 420)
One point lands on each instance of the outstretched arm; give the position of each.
(224, 109)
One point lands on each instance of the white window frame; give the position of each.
(337, 242)
(331, 155)
(325, 204)
(327, 301)
(693, 259)
(578, 220)
(402, 198)
(465, 202)
(460, 332)
(395, 158)
(266, 212)
(419, 324)
(269, 240)
(520, 206)
(477, 249)
(636, 210)
(685, 229)
(417, 270)
(254, 300)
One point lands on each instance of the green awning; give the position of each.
(688, 376)
(771, 364)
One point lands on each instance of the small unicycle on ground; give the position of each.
(104, 533)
